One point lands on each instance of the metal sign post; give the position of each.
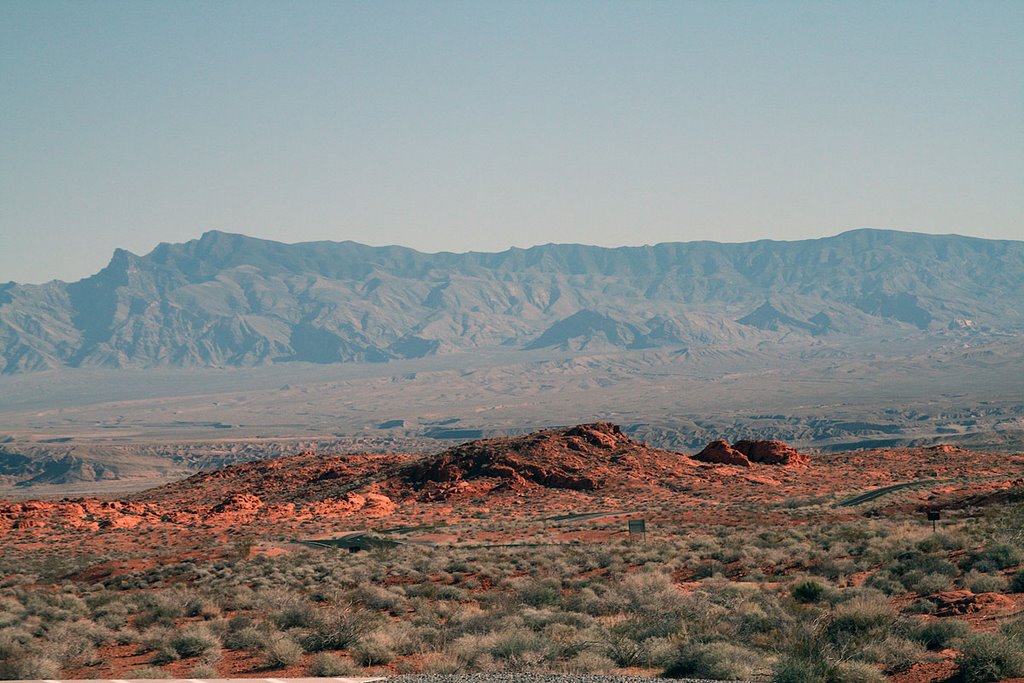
(934, 516)
(637, 526)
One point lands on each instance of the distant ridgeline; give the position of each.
(230, 300)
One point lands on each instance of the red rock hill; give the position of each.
(586, 457)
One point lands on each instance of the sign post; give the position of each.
(638, 526)
(934, 516)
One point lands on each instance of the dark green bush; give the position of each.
(936, 635)
(808, 591)
(993, 558)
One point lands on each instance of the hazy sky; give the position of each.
(481, 125)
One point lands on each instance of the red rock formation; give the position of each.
(960, 602)
(744, 452)
(580, 458)
(721, 453)
(771, 452)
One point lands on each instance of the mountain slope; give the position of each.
(230, 300)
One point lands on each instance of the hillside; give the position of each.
(228, 300)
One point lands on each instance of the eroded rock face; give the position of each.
(771, 452)
(721, 453)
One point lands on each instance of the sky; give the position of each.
(482, 125)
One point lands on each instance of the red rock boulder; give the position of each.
(721, 453)
(771, 452)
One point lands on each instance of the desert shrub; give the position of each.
(642, 627)
(199, 607)
(803, 669)
(980, 582)
(797, 669)
(112, 615)
(993, 558)
(159, 608)
(885, 582)
(808, 591)
(989, 657)
(30, 666)
(940, 541)
(859, 617)
(196, 641)
(329, 664)
(294, 612)
(339, 630)
(246, 638)
(926, 583)
(708, 568)
(716, 661)
(625, 651)
(589, 663)
(203, 671)
(893, 652)
(1017, 582)
(377, 597)
(441, 664)
(373, 651)
(157, 639)
(517, 646)
(539, 593)
(936, 635)
(921, 607)
(147, 672)
(75, 643)
(854, 672)
(1014, 630)
(280, 650)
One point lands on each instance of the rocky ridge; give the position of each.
(228, 300)
(586, 458)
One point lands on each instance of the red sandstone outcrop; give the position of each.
(721, 453)
(960, 602)
(580, 458)
(771, 452)
(744, 452)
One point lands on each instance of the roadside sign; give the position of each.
(933, 517)
(637, 526)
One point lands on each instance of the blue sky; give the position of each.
(482, 125)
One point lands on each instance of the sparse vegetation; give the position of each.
(835, 602)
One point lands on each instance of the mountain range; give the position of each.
(227, 300)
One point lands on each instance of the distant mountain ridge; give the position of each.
(230, 300)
